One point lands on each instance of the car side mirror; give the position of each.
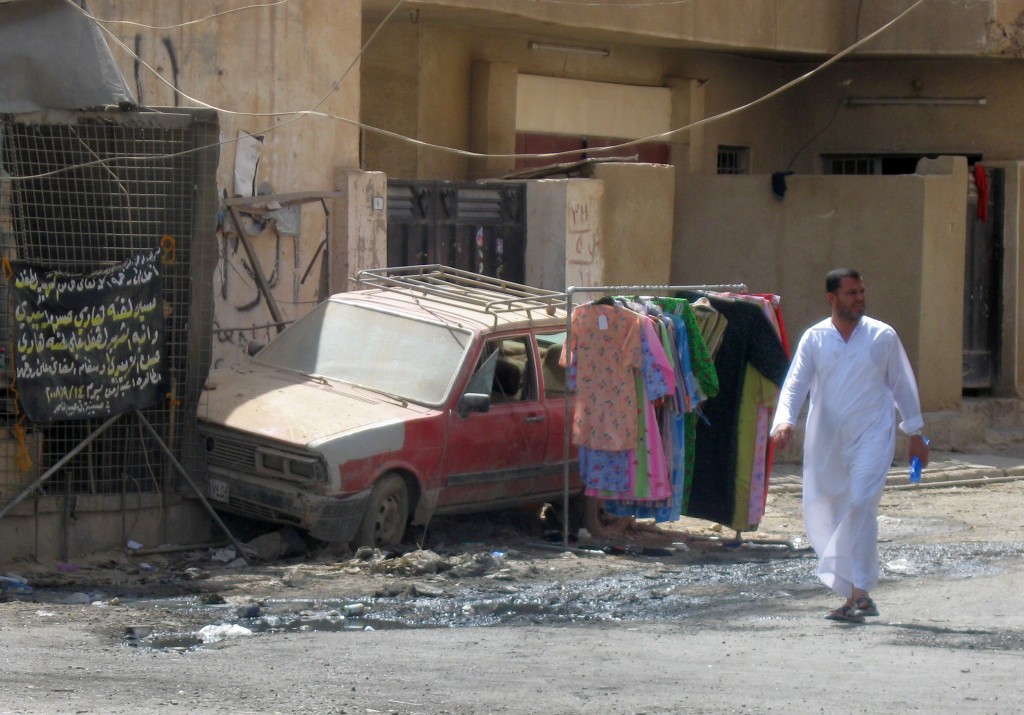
(473, 402)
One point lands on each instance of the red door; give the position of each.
(498, 456)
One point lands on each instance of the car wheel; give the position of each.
(387, 513)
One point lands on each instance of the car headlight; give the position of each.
(275, 463)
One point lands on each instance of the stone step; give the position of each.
(1003, 437)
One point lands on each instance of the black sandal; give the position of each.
(866, 606)
(845, 614)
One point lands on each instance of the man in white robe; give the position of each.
(857, 375)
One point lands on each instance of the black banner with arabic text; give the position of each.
(89, 345)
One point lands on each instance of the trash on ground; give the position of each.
(213, 634)
(224, 555)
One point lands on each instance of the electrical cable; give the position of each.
(191, 22)
(451, 150)
(835, 113)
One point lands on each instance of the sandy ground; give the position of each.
(950, 637)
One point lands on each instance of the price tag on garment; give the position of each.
(602, 322)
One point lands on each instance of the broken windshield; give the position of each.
(395, 354)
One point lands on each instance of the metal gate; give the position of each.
(467, 225)
(983, 284)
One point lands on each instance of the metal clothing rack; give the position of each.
(608, 290)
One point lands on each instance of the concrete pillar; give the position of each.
(358, 227)
(563, 222)
(687, 107)
(492, 126)
(584, 239)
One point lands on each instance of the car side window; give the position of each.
(553, 374)
(514, 374)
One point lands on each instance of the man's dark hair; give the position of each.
(835, 278)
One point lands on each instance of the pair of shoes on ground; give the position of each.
(862, 607)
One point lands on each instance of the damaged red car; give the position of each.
(432, 391)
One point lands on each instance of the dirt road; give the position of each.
(491, 619)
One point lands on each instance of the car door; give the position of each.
(498, 456)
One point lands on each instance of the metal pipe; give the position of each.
(59, 463)
(202, 497)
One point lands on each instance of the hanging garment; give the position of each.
(757, 407)
(712, 324)
(648, 465)
(690, 352)
(981, 180)
(604, 353)
(749, 339)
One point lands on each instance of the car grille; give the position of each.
(240, 453)
(233, 454)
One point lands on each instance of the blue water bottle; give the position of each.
(915, 470)
(915, 467)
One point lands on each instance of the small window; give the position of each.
(864, 165)
(733, 159)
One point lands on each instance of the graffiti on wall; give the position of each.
(582, 251)
(169, 55)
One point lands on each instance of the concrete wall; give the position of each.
(637, 213)
(904, 233)
(818, 122)
(64, 528)
(936, 287)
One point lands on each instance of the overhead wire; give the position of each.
(296, 114)
(191, 22)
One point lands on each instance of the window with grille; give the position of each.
(859, 165)
(733, 159)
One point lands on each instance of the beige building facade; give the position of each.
(447, 90)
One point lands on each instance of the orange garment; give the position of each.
(606, 350)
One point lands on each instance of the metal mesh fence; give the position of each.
(84, 191)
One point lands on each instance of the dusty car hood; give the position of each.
(294, 408)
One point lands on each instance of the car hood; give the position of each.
(295, 408)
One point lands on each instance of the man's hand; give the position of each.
(918, 448)
(783, 435)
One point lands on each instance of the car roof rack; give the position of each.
(464, 288)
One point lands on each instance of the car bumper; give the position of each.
(324, 517)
